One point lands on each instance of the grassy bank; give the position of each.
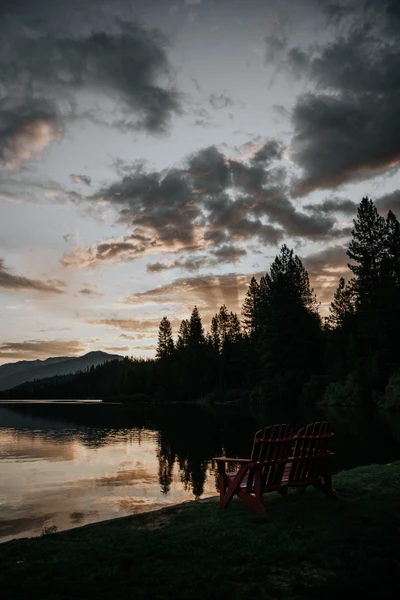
(306, 547)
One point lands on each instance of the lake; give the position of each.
(68, 464)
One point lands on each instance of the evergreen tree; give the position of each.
(392, 248)
(343, 304)
(251, 308)
(183, 335)
(196, 330)
(165, 345)
(214, 334)
(291, 337)
(367, 249)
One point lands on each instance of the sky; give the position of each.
(155, 155)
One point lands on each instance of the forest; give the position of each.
(279, 351)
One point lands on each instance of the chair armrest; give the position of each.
(225, 459)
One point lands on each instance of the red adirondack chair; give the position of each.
(310, 463)
(279, 460)
(259, 474)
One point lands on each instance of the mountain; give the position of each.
(12, 374)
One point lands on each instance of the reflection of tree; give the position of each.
(166, 459)
(193, 475)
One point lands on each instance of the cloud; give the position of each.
(43, 74)
(137, 325)
(389, 202)
(349, 129)
(89, 292)
(40, 349)
(26, 131)
(221, 101)
(10, 281)
(223, 255)
(81, 179)
(344, 139)
(325, 269)
(209, 201)
(207, 292)
(117, 348)
(124, 336)
(333, 205)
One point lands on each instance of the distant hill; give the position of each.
(13, 374)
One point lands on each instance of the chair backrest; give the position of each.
(309, 448)
(274, 443)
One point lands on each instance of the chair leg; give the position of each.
(252, 501)
(327, 490)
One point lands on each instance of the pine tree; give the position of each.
(343, 304)
(165, 345)
(214, 334)
(290, 344)
(251, 309)
(196, 330)
(367, 249)
(183, 335)
(392, 248)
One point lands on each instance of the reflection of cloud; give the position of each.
(22, 446)
(127, 478)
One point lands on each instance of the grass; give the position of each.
(306, 547)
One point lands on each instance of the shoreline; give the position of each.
(306, 546)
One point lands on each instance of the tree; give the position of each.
(251, 309)
(290, 344)
(183, 335)
(196, 330)
(343, 304)
(392, 249)
(165, 345)
(367, 249)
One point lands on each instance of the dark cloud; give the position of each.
(40, 349)
(349, 129)
(389, 202)
(211, 200)
(81, 179)
(42, 73)
(343, 139)
(229, 253)
(10, 281)
(333, 205)
(224, 255)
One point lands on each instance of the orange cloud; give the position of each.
(29, 140)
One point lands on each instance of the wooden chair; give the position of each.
(310, 463)
(261, 473)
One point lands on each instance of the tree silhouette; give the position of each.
(165, 345)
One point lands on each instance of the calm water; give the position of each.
(67, 464)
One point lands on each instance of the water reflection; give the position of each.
(67, 465)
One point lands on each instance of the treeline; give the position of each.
(279, 351)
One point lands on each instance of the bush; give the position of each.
(391, 399)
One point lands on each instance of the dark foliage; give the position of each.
(280, 353)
